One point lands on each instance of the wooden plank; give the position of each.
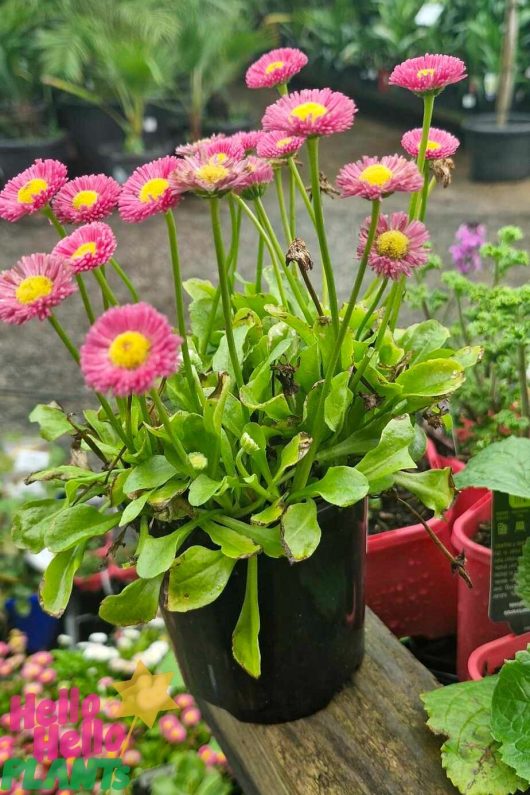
(371, 739)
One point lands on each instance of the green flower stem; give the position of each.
(225, 292)
(292, 204)
(85, 298)
(428, 106)
(359, 336)
(259, 264)
(105, 287)
(392, 297)
(103, 296)
(125, 279)
(283, 209)
(397, 301)
(523, 384)
(282, 89)
(146, 418)
(293, 283)
(328, 280)
(295, 174)
(114, 422)
(246, 209)
(233, 254)
(52, 218)
(358, 374)
(69, 345)
(179, 302)
(425, 192)
(175, 441)
(303, 470)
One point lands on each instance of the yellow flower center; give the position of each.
(129, 350)
(273, 67)
(84, 248)
(31, 190)
(432, 146)
(219, 158)
(376, 174)
(33, 288)
(153, 189)
(85, 198)
(425, 73)
(283, 142)
(309, 110)
(212, 173)
(393, 244)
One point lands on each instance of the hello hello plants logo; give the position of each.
(71, 748)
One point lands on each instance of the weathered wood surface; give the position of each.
(371, 740)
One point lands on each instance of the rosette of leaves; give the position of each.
(235, 491)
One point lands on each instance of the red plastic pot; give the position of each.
(102, 580)
(474, 625)
(467, 497)
(487, 659)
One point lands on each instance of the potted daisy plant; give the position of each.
(240, 439)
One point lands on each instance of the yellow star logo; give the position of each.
(145, 695)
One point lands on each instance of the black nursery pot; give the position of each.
(16, 155)
(498, 153)
(311, 636)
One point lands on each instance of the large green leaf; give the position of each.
(470, 756)
(203, 488)
(268, 538)
(510, 716)
(300, 530)
(136, 604)
(292, 453)
(149, 474)
(72, 525)
(502, 466)
(422, 339)
(245, 640)
(56, 585)
(338, 400)
(340, 486)
(435, 488)
(31, 521)
(52, 421)
(222, 361)
(232, 543)
(197, 578)
(434, 378)
(390, 455)
(157, 554)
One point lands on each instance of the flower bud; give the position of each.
(248, 444)
(198, 461)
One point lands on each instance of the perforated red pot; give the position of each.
(487, 659)
(474, 627)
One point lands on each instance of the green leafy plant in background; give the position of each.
(333, 32)
(191, 777)
(494, 402)
(214, 41)
(115, 55)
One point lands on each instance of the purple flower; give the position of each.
(465, 251)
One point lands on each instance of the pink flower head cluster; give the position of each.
(32, 189)
(87, 247)
(428, 74)
(275, 68)
(211, 757)
(310, 112)
(440, 143)
(255, 175)
(276, 145)
(88, 198)
(172, 729)
(399, 245)
(32, 289)
(373, 177)
(465, 251)
(128, 348)
(148, 191)
(248, 140)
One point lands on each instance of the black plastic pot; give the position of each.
(498, 154)
(312, 629)
(120, 165)
(16, 155)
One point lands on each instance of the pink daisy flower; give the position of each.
(398, 247)
(248, 139)
(255, 175)
(87, 198)
(192, 148)
(88, 247)
(222, 150)
(374, 177)
(206, 174)
(33, 287)
(128, 348)
(428, 74)
(276, 145)
(275, 67)
(30, 190)
(440, 143)
(147, 191)
(313, 111)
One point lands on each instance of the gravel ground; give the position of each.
(34, 367)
